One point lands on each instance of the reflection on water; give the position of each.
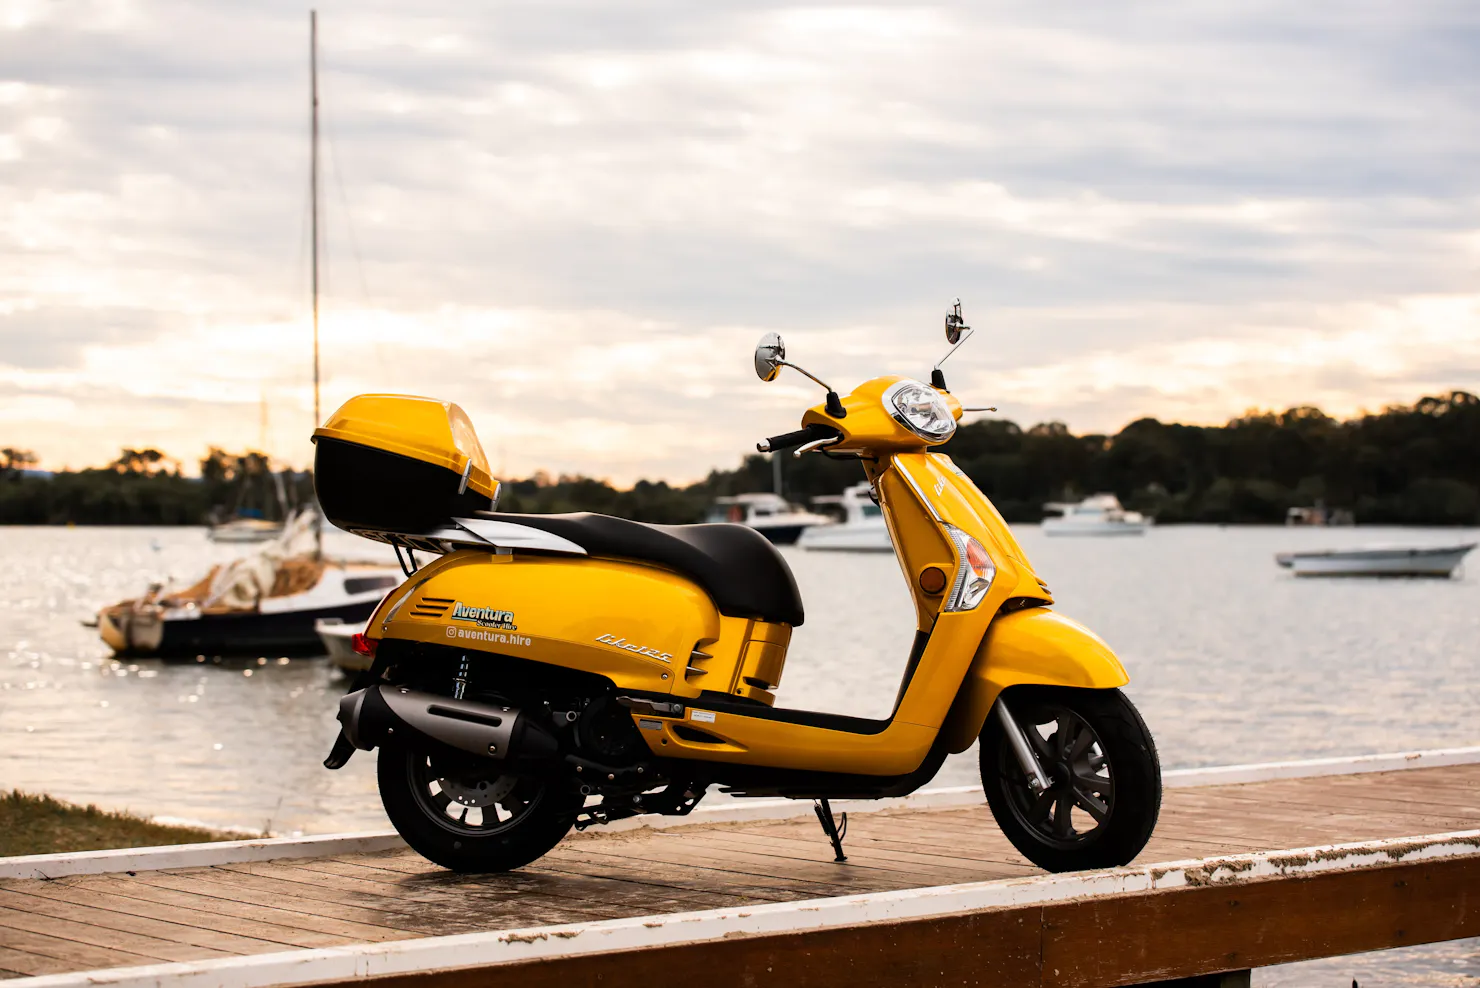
(1232, 660)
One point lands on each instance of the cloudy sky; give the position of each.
(575, 217)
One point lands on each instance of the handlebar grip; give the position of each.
(811, 433)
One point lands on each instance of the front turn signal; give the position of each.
(975, 572)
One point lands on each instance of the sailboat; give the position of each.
(268, 601)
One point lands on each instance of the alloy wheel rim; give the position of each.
(1081, 796)
(470, 804)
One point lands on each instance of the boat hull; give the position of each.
(782, 534)
(1418, 562)
(847, 538)
(337, 640)
(241, 633)
(1057, 526)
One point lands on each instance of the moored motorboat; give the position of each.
(265, 602)
(861, 529)
(245, 530)
(1100, 514)
(1377, 560)
(770, 514)
(338, 638)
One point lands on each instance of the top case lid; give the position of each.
(435, 432)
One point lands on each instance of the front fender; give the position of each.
(1034, 645)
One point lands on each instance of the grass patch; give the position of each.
(38, 824)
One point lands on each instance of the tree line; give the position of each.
(1408, 464)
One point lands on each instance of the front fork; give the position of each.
(1038, 780)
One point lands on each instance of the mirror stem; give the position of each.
(834, 403)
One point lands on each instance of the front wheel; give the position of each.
(463, 814)
(1105, 790)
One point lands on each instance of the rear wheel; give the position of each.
(1105, 791)
(464, 814)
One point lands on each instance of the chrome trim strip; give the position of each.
(508, 535)
(918, 492)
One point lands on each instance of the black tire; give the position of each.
(539, 812)
(1106, 780)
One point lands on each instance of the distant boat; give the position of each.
(1377, 560)
(861, 530)
(338, 639)
(1319, 514)
(245, 530)
(264, 602)
(1101, 514)
(769, 514)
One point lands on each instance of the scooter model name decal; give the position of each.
(484, 617)
(624, 644)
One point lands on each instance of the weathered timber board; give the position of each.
(86, 922)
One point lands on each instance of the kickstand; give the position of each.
(830, 827)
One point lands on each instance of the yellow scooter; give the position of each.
(546, 672)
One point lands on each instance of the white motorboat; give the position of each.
(861, 528)
(338, 639)
(265, 602)
(1377, 560)
(1101, 514)
(769, 514)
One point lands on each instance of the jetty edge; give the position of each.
(1414, 877)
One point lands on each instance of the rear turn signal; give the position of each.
(363, 644)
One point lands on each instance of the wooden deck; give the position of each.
(87, 922)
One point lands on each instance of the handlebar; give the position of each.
(812, 433)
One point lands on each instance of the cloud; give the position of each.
(575, 218)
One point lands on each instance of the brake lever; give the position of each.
(992, 408)
(815, 444)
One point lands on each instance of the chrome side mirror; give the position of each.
(957, 332)
(770, 356)
(955, 324)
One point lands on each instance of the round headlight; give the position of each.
(920, 409)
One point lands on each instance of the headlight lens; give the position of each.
(974, 575)
(920, 409)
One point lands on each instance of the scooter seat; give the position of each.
(736, 565)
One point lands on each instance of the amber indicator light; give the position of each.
(932, 579)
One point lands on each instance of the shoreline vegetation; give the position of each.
(32, 823)
(1413, 464)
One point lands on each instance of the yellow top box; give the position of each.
(425, 429)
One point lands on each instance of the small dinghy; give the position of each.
(265, 602)
(1375, 560)
(338, 638)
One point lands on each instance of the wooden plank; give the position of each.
(88, 913)
(74, 931)
(201, 919)
(221, 906)
(374, 924)
(18, 963)
(77, 956)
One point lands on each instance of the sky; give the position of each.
(576, 217)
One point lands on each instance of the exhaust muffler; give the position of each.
(373, 715)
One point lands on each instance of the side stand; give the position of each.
(830, 827)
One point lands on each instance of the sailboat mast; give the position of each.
(313, 73)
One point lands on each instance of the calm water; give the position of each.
(1231, 659)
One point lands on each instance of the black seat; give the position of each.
(736, 565)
